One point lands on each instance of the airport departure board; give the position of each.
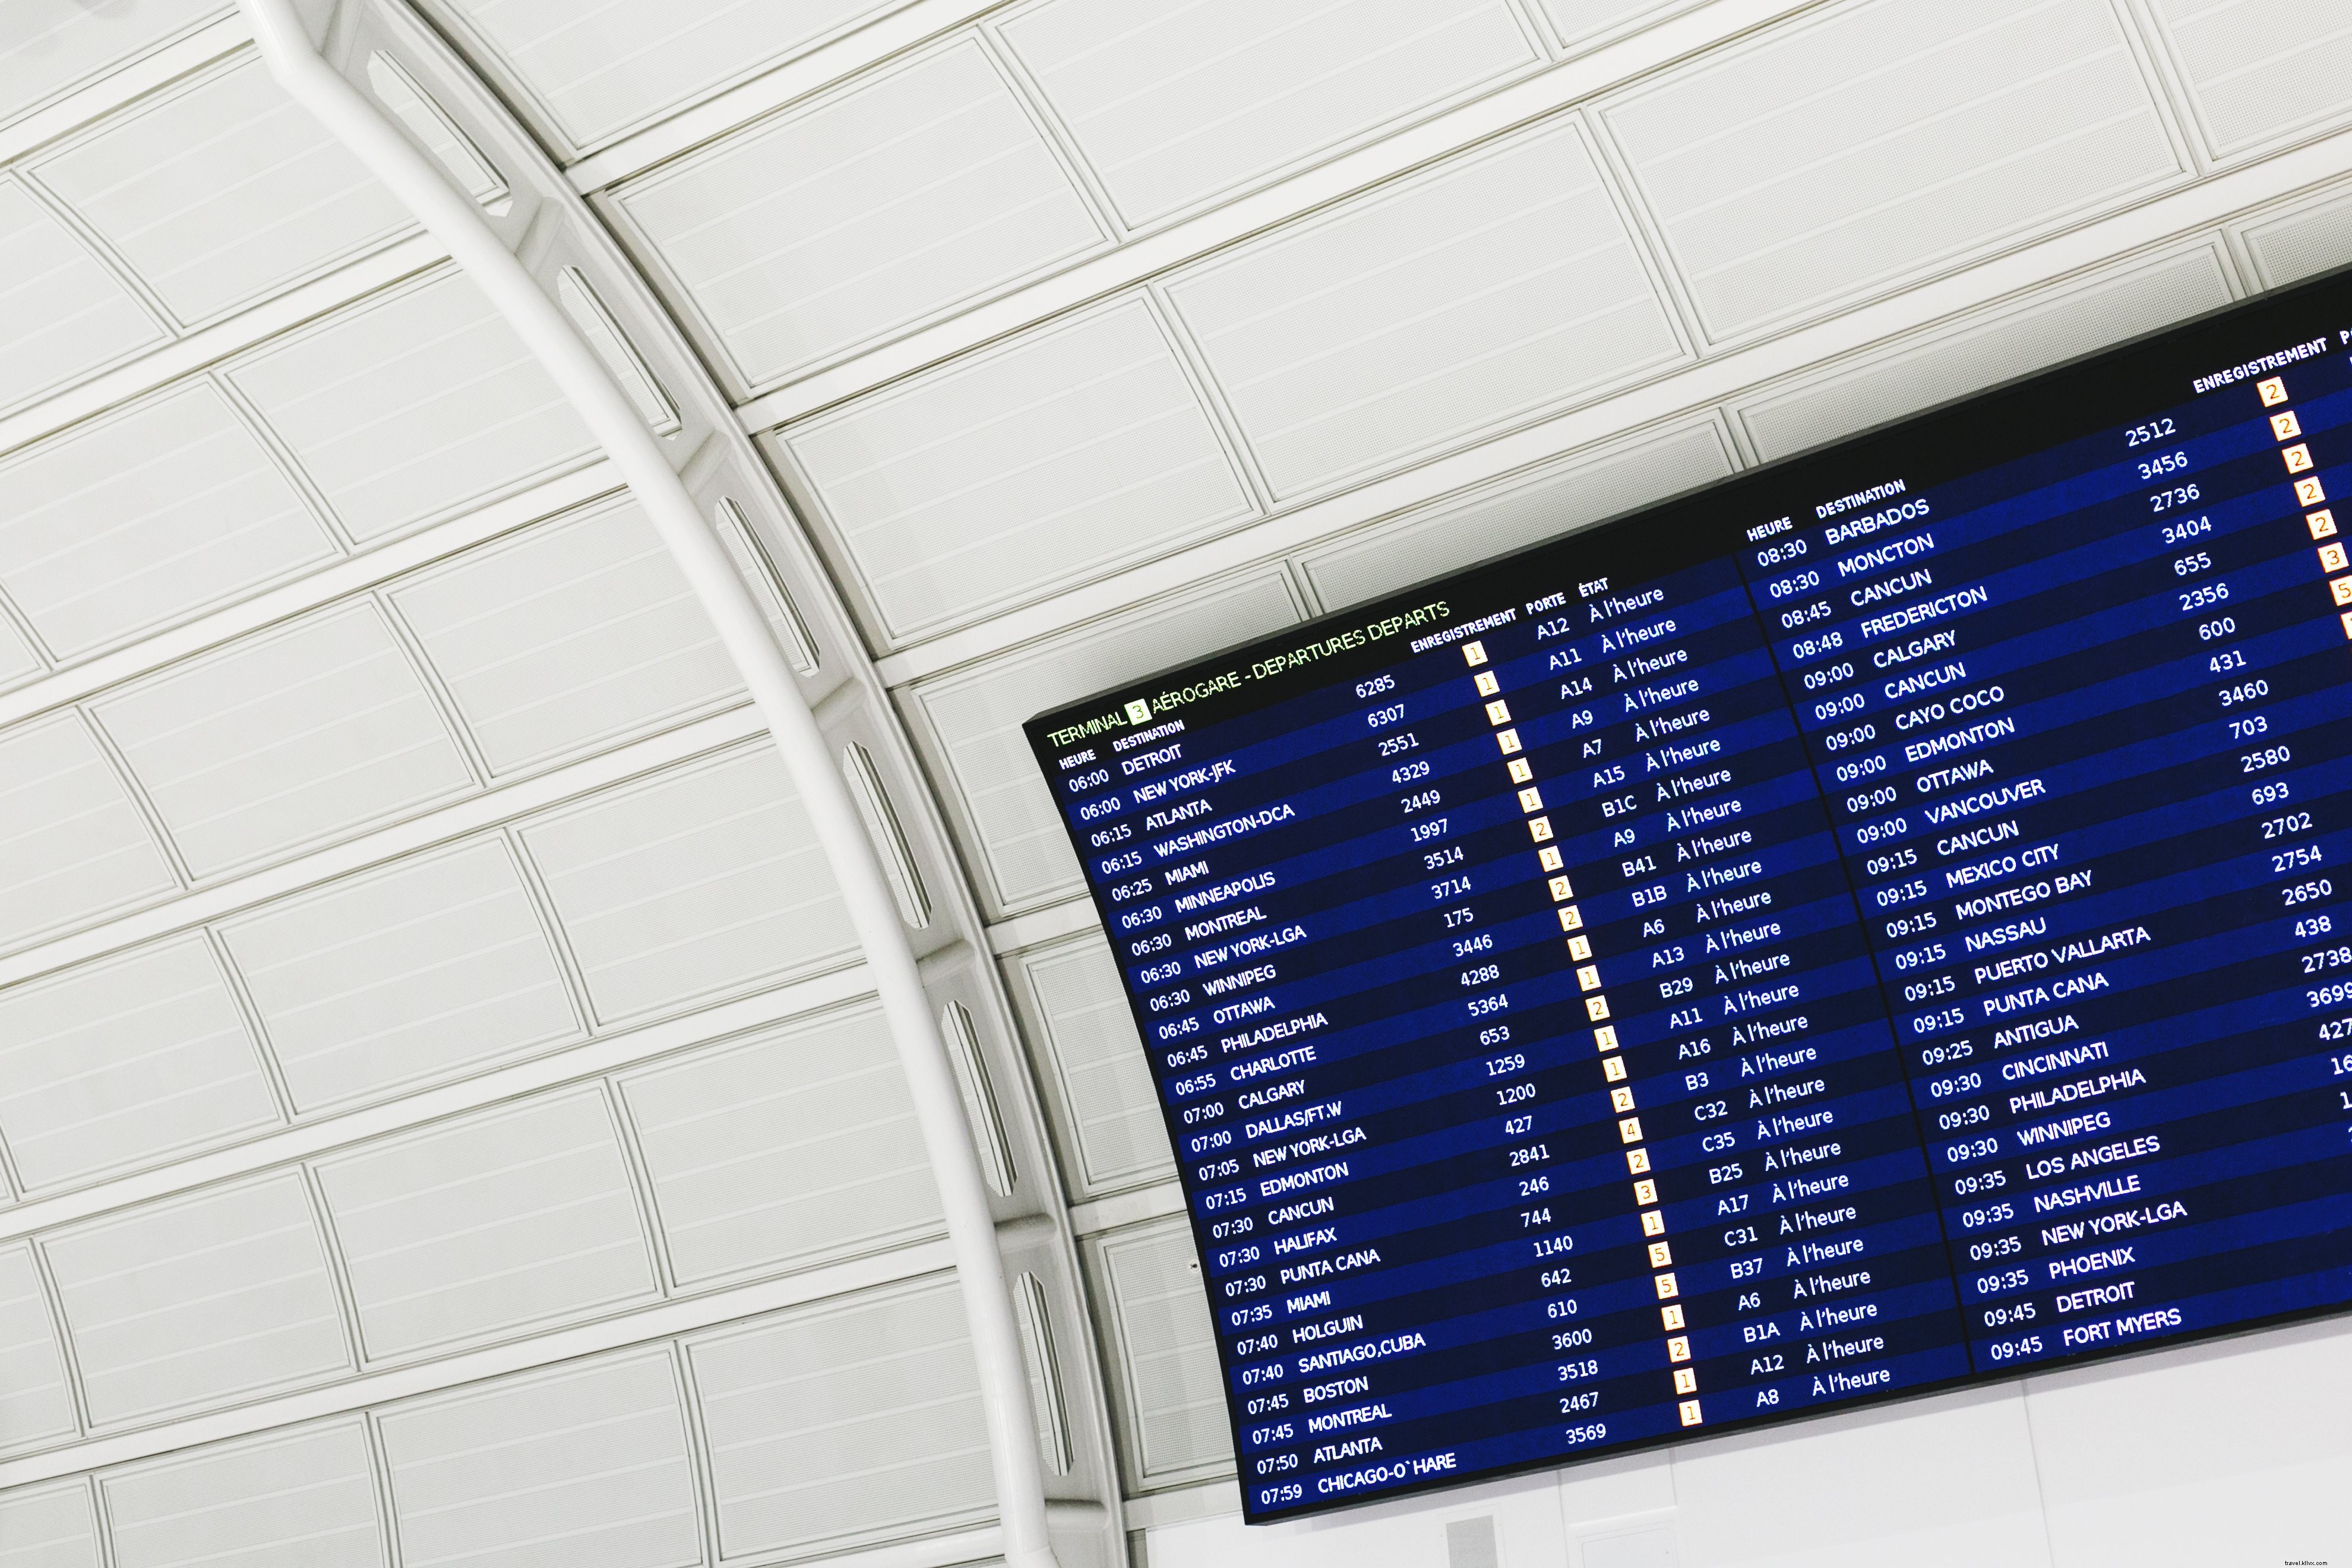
(1869, 925)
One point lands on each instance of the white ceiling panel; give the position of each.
(47, 47)
(413, 408)
(573, 634)
(1435, 310)
(223, 193)
(18, 662)
(430, 968)
(286, 739)
(1580, 23)
(199, 1301)
(72, 845)
(2014, 340)
(50, 1527)
(1168, 1392)
(1174, 104)
(1835, 157)
(1393, 554)
(784, 1152)
(125, 1063)
(1056, 458)
(148, 518)
(2304, 241)
(586, 1465)
(835, 1426)
(36, 1404)
(706, 881)
(807, 236)
(62, 314)
(515, 1219)
(2260, 72)
(1102, 1080)
(999, 801)
(600, 71)
(304, 1499)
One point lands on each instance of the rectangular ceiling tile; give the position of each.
(414, 408)
(1580, 24)
(703, 881)
(1429, 313)
(505, 1221)
(1166, 1389)
(1174, 104)
(2260, 72)
(969, 724)
(577, 633)
(1953, 359)
(286, 739)
(124, 1063)
(50, 1527)
(303, 1499)
(784, 1152)
(1059, 455)
(130, 523)
(586, 1464)
(72, 845)
(429, 968)
(18, 662)
(598, 71)
(63, 316)
(850, 1424)
(805, 236)
(1830, 159)
(1102, 1080)
(223, 193)
(202, 1300)
(47, 47)
(36, 1404)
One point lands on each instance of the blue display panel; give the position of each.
(1870, 925)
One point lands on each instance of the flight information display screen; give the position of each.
(1870, 925)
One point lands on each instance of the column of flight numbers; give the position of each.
(1659, 1250)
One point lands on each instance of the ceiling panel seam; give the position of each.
(101, 96)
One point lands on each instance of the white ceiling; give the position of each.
(441, 1118)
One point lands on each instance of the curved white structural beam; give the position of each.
(452, 218)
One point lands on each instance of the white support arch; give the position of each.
(452, 218)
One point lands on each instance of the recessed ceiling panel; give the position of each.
(36, 1404)
(1826, 160)
(845, 1425)
(2260, 71)
(784, 1152)
(805, 236)
(198, 1301)
(1102, 1076)
(602, 70)
(62, 314)
(586, 1464)
(285, 739)
(58, 1526)
(1163, 1354)
(223, 193)
(72, 845)
(145, 519)
(304, 1499)
(429, 968)
(703, 882)
(125, 1063)
(49, 47)
(505, 1221)
(1444, 307)
(577, 633)
(1049, 459)
(413, 408)
(1173, 104)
